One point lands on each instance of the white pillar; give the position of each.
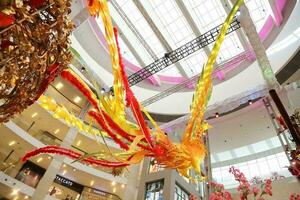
(46, 181)
(131, 189)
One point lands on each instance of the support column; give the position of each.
(265, 66)
(207, 168)
(285, 116)
(279, 132)
(132, 182)
(46, 181)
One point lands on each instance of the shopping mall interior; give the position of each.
(150, 99)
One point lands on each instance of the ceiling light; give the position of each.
(114, 190)
(12, 143)
(250, 102)
(39, 160)
(82, 69)
(74, 169)
(78, 143)
(59, 85)
(113, 183)
(26, 197)
(64, 165)
(102, 91)
(34, 115)
(122, 186)
(77, 99)
(49, 157)
(15, 192)
(217, 115)
(92, 183)
(56, 131)
(64, 172)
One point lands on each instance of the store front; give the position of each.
(63, 188)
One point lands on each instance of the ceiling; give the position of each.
(97, 59)
(152, 28)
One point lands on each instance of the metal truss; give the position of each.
(193, 80)
(182, 52)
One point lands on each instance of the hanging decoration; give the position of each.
(138, 140)
(34, 50)
(60, 112)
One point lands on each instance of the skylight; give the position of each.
(169, 19)
(259, 11)
(126, 53)
(142, 26)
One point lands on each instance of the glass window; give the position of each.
(154, 190)
(175, 27)
(180, 194)
(226, 155)
(260, 146)
(242, 151)
(259, 11)
(142, 26)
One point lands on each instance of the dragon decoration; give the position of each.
(137, 139)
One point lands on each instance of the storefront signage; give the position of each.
(68, 183)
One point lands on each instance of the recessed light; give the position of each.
(15, 192)
(49, 157)
(56, 131)
(77, 99)
(39, 160)
(64, 165)
(59, 85)
(64, 172)
(26, 197)
(114, 190)
(78, 143)
(12, 143)
(250, 102)
(113, 183)
(92, 183)
(34, 115)
(217, 115)
(74, 169)
(122, 186)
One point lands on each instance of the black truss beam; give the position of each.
(180, 53)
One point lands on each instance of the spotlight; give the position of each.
(114, 190)
(78, 143)
(217, 115)
(92, 183)
(34, 115)
(82, 69)
(77, 99)
(113, 183)
(74, 170)
(122, 186)
(59, 85)
(102, 91)
(15, 192)
(56, 131)
(12, 143)
(250, 102)
(39, 160)
(64, 172)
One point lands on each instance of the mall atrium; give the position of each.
(150, 99)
